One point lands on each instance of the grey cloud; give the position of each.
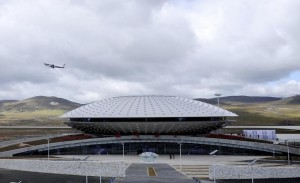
(190, 48)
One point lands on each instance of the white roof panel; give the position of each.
(147, 106)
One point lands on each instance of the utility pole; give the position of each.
(288, 151)
(48, 148)
(213, 153)
(251, 164)
(180, 144)
(218, 96)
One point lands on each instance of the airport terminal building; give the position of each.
(152, 123)
(148, 115)
(160, 124)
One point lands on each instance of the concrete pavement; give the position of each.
(7, 176)
(137, 173)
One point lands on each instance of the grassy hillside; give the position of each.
(251, 110)
(35, 111)
(239, 100)
(262, 110)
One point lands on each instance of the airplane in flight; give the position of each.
(54, 66)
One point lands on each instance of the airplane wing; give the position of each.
(56, 66)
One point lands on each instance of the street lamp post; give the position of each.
(288, 151)
(274, 143)
(100, 180)
(48, 148)
(218, 95)
(251, 164)
(213, 153)
(180, 144)
(123, 150)
(86, 177)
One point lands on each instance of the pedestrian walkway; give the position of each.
(194, 171)
(137, 173)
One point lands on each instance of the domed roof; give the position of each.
(147, 107)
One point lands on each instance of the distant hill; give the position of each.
(261, 110)
(38, 110)
(3, 102)
(38, 103)
(248, 99)
(239, 99)
(7, 101)
(43, 110)
(294, 100)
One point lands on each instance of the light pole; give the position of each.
(274, 143)
(213, 153)
(99, 153)
(48, 148)
(218, 95)
(180, 144)
(180, 154)
(288, 148)
(100, 175)
(86, 177)
(123, 150)
(251, 164)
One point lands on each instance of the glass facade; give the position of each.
(159, 148)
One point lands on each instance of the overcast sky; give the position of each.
(138, 47)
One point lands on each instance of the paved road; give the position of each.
(137, 173)
(7, 176)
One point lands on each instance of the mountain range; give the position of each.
(261, 110)
(239, 99)
(39, 110)
(252, 110)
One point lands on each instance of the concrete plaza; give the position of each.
(167, 170)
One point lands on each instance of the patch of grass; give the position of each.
(265, 114)
(30, 118)
(13, 115)
(257, 114)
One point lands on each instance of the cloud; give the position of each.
(281, 88)
(111, 48)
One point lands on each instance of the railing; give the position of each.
(237, 137)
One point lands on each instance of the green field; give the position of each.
(32, 118)
(40, 111)
(35, 111)
(265, 114)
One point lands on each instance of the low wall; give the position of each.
(245, 172)
(89, 168)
